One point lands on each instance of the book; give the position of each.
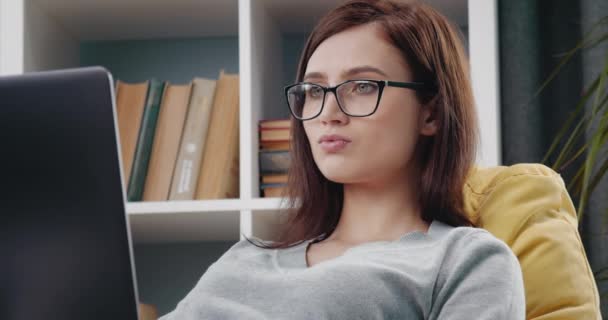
(190, 153)
(219, 172)
(275, 134)
(130, 103)
(274, 178)
(273, 190)
(274, 123)
(275, 145)
(167, 137)
(274, 161)
(147, 311)
(144, 141)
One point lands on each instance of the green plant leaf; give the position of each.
(585, 122)
(588, 167)
(601, 130)
(601, 172)
(602, 136)
(596, 141)
(589, 41)
(580, 107)
(576, 133)
(600, 88)
(574, 186)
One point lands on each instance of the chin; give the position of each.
(339, 168)
(339, 174)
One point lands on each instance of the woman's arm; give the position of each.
(480, 278)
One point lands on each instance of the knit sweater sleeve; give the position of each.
(480, 279)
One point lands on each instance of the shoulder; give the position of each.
(469, 249)
(478, 270)
(246, 249)
(470, 241)
(467, 245)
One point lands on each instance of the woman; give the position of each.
(384, 133)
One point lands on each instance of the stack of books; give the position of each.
(179, 141)
(147, 311)
(275, 138)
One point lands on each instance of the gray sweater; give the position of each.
(447, 273)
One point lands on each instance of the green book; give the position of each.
(141, 158)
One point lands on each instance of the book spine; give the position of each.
(130, 103)
(274, 134)
(145, 141)
(273, 190)
(267, 120)
(274, 128)
(167, 137)
(277, 141)
(193, 141)
(272, 123)
(272, 185)
(274, 161)
(219, 172)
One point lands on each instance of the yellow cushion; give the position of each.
(528, 207)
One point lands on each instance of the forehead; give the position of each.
(354, 47)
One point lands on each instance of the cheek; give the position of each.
(391, 143)
(395, 131)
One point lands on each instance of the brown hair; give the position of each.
(433, 49)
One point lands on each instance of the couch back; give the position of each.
(528, 207)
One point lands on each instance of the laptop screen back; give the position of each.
(65, 251)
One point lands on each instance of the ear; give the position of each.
(428, 120)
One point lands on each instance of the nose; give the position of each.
(331, 112)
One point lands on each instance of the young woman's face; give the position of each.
(381, 145)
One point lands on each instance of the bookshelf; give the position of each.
(177, 40)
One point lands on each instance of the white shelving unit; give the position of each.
(37, 35)
(40, 35)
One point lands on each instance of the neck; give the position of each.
(383, 209)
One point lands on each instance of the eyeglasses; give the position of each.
(356, 98)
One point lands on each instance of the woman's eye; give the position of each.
(364, 88)
(315, 92)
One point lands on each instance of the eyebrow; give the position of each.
(347, 73)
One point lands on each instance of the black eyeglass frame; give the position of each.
(381, 85)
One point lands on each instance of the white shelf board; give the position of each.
(197, 206)
(185, 227)
(182, 206)
(301, 16)
(270, 204)
(143, 19)
(184, 221)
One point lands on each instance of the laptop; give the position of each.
(65, 245)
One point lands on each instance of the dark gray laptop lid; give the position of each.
(65, 250)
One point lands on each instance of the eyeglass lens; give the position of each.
(357, 98)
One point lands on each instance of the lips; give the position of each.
(333, 143)
(333, 137)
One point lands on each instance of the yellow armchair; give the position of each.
(528, 207)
